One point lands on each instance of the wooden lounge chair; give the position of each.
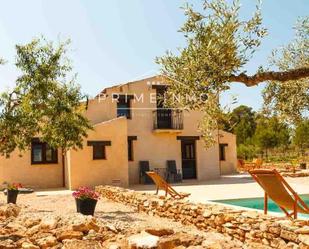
(246, 166)
(277, 188)
(257, 163)
(163, 185)
(241, 165)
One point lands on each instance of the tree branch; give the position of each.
(292, 74)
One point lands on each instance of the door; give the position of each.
(188, 155)
(164, 115)
(164, 118)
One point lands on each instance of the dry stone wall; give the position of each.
(243, 225)
(20, 229)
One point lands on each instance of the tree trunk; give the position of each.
(283, 76)
(63, 167)
(266, 152)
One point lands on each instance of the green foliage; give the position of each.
(242, 122)
(246, 151)
(45, 101)
(291, 99)
(290, 158)
(257, 133)
(219, 44)
(301, 136)
(271, 133)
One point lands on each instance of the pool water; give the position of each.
(258, 203)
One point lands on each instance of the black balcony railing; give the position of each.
(168, 119)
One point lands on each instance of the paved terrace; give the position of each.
(226, 187)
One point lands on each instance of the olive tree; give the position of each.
(44, 102)
(219, 44)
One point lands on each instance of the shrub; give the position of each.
(13, 186)
(84, 193)
(246, 151)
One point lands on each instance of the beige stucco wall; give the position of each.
(84, 171)
(18, 168)
(152, 146)
(100, 110)
(229, 165)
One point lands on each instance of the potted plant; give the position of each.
(12, 192)
(86, 200)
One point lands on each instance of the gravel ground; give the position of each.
(115, 214)
(299, 180)
(227, 187)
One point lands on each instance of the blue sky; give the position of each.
(116, 41)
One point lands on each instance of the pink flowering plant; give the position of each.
(14, 186)
(84, 193)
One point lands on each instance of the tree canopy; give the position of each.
(259, 134)
(271, 133)
(242, 123)
(301, 137)
(219, 44)
(44, 102)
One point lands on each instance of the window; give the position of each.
(222, 152)
(123, 105)
(130, 147)
(42, 153)
(98, 152)
(161, 90)
(189, 150)
(130, 150)
(98, 148)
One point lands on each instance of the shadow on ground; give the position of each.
(223, 180)
(127, 216)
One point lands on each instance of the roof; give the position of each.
(127, 83)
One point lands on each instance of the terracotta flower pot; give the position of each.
(86, 206)
(12, 195)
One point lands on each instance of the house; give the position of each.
(130, 125)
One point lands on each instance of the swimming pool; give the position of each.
(258, 203)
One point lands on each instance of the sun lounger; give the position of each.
(163, 185)
(277, 189)
(246, 166)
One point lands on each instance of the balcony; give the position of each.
(167, 120)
